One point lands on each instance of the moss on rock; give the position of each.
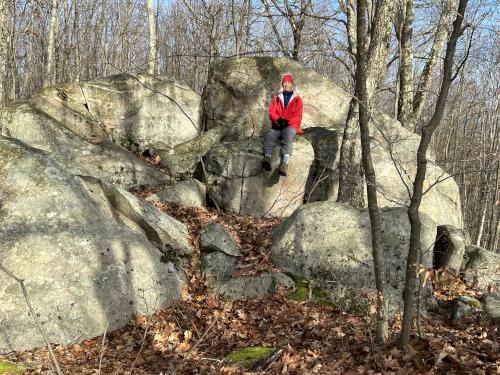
(248, 356)
(302, 294)
(11, 368)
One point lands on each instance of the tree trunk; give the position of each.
(6, 15)
(76, 33)
(405, 102)
(350, 171)
(371, 184)
(413, 214)
(152, 37)
(436, 50)
(47, 77)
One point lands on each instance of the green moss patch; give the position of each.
(247, 357)
(302, 294)
(11, 368)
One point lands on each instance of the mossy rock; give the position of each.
(11, 368)
(248, 356)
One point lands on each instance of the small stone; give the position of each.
(215, 237)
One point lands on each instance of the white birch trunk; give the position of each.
(152, 37)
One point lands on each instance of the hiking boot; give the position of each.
(266, 163)
(283, 169)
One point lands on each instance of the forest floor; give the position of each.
(194, 336)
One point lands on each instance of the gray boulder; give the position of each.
(449, 249)
(216, 237)
(91, 255)
(330, 243)
(481, 267)
(190, 193)
(236, 181)
(91, 125)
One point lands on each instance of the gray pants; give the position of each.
(271, 140)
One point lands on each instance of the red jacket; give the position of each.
(292, 112)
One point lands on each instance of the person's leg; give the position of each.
(268, 145)
(287, 136)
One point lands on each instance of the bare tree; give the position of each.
(416, 198)
(371, 183)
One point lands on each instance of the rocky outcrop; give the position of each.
(92, 124)
(330, 243)
(91, 254)
(237, 99)
(237, 182)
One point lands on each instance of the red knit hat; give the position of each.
(287, 78)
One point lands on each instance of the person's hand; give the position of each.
(282, 123)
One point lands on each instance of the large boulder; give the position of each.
(238, 93)
(91, 255)
(237, 183)
(394, 151)
(237, 97)
(93, 124)
(330, 243)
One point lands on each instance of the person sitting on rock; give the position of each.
(285, 113)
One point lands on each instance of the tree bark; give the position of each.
(76, 33)
(371, 183)
(47, 78)
(6, 16)
(152, 37)
(413, 214)
(405, 102)
(350, 170)
(430, 66)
